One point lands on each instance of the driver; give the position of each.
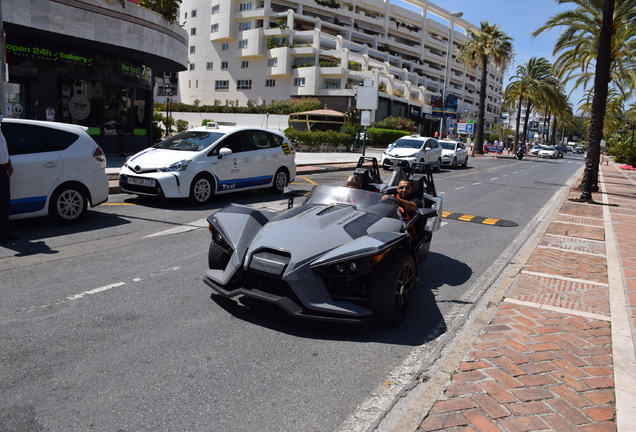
(408, 205)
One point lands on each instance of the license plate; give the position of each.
(141, 182)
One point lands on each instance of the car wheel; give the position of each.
(201, 189)
(454, 163)
(280, 182)
(217, 259)
(465, 164)
(391, 288)
(438, 165)
(68, 204)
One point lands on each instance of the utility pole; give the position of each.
(3, 68)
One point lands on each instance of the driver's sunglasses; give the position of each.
(404, 187)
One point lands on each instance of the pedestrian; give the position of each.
(436, 134)
(6, 170)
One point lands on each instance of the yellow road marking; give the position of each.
(307, 180)
(466, 218)
(490, 221)
(107, 204)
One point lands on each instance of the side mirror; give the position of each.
(224, 152)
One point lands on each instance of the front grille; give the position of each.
(267, 284)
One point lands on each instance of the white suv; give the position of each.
(409, 149)
(57, 170)
(209, 160)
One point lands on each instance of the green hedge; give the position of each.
(315, 138)
(383, 137)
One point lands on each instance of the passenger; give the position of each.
(354, 182)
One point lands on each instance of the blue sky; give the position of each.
(518, 19)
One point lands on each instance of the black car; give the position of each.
(561, 149)
(579, 150)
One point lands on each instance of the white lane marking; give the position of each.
(459, 188)
(494, 178)
(478, 183)
(96, 290)
(505, 175)
(202, 223)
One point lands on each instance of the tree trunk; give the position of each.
(479, 133)
(554, 130)
(599, 101)
(518, 123)
(526, 120)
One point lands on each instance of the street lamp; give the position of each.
(449, 56)
(168, 100)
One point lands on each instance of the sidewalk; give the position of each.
(554, 351)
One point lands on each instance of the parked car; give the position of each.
(58, 169)
(579, 150)
(454, 153)
(536, 149)
(548, 152)
(202, 162)
(407, 150)
(343, 255)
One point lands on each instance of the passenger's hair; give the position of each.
(354, 182)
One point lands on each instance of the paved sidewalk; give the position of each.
(556, 349)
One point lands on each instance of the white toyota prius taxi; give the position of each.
(209, 160)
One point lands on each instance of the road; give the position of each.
(107, 325)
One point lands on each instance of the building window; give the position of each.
(245, 6)
(193, 14)
(209, 65)
(225, 47)
(244, 85)
(243, 44)
(193, 49)
(332, 84)
(270, 83)
(223, 65)
(196, 84)
(222, 85)
(216, 9)
(245, 25)
(193, 31)
(299, 82)
(192, 66)
(245, 64)
(272, 62)
(214, 28)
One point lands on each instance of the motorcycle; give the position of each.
(520, 153)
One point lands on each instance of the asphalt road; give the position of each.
(107, 325)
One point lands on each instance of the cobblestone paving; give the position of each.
(550, 367)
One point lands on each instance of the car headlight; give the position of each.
(177, 166)
(352, 267)
(446, 156)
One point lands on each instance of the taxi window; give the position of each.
(24, 139)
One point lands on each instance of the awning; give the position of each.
(364, 25)
(344, 20)
(377, 29)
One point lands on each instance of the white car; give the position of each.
(57, 170)
(454, 153)
(548, 152)
(407, 150)
(209, 160)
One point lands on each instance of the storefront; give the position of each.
(111, 95)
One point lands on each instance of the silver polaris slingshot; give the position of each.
(343, 255)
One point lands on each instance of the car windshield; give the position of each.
(190, 141)
(364, 200)
(446, 145)
(407, 143)
(548, 148)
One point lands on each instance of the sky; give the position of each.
(518, 19)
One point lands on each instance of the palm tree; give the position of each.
(597, 44)
(489, 44)
(533, 85)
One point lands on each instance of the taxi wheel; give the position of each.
(454, 163)
(281, 180)
(465, 164)
(201, 189)
(438, 165)
(68, 203)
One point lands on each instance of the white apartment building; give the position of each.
(258, 51)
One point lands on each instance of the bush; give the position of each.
(182, 125)
(396, 123)
(383, 137)
(313, 139)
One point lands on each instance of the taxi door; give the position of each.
(233, 171)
